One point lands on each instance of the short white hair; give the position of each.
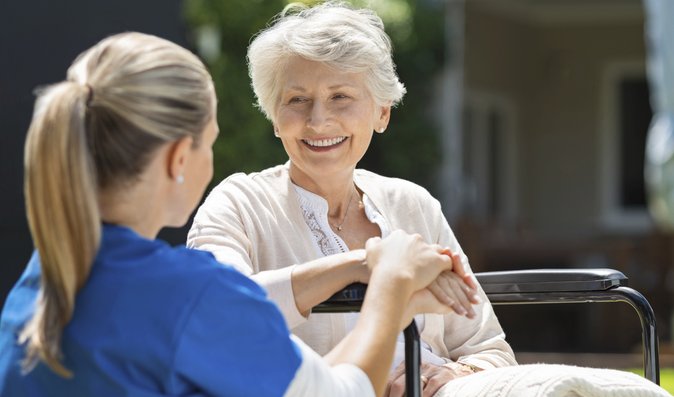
(348, 39)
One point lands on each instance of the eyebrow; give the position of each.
(332, 87)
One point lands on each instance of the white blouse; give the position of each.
(315, 212)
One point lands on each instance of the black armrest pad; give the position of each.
(550, 280)
(537, 280)
(348, 299)
(351, 293)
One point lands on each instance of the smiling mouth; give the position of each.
(324, 143)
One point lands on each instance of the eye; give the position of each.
(340, 96)
(297, 99)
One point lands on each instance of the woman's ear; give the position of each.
(384, 117)
(178, 156)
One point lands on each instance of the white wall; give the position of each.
(552, 73)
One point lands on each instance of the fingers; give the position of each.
(470, 281)
(440, 293)
(457, 265)
(398, 371)
(396, 387)
(432, 378)
(458, 268)
(431, 386)
(396, 383)
(458, 305)
(461, 296)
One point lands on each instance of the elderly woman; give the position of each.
(325, 78)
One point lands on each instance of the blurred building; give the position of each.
(549, 168)
(555, 115)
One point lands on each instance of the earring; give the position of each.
(180, 179)
(381, 130)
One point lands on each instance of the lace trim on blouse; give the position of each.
(315, 212)
(315, 215)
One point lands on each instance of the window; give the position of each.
(489, 161)
(635, 116)
(626, 116)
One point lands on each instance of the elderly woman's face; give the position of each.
(326, 118)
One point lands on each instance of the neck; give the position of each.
(147, 203)
(336, 189)
(131, 208)
(140, 204)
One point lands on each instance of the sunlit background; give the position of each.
(526, 118)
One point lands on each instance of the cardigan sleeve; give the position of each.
(479, 341)
(221, 226)
(218, 228)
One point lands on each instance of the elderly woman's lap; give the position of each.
(551, 380)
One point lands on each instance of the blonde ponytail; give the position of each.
(63, 215)
(96, 132)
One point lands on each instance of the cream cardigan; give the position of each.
(254, 222)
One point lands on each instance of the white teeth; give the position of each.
(324, 142)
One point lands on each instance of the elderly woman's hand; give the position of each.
(433, 377)
(456, 288)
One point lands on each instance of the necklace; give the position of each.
(346, 213)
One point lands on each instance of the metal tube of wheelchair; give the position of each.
(412, 361)
(649, 331)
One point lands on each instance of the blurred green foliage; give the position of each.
(222, 29)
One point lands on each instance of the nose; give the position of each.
(318, 116)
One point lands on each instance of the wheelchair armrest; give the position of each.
(550, 280)
(512, 281)
(351, 293)
(348, 299)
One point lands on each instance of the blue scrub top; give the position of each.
(155, 320)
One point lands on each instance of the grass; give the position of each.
(666, 377)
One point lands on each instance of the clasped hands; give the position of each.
(441, 282)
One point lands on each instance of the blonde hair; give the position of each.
(122, 99)
(351, 40)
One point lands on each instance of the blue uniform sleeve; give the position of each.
(236, 342)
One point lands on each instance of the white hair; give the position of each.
(350, 40)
